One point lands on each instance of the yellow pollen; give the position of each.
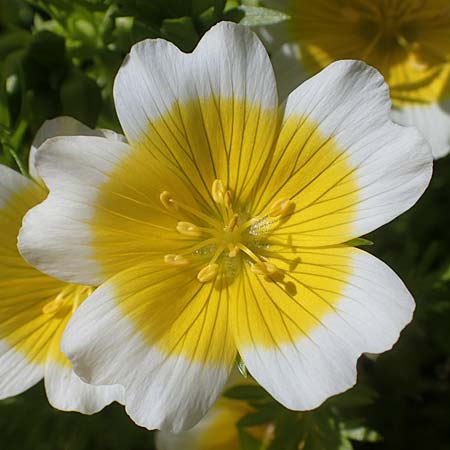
(176, 260)
(218, 191)
(189, 229)
(208, 273)
(167, 200)
(281, 208)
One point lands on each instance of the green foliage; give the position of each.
(256, 15)
(59, 57)
(28, 422)
(336, 425)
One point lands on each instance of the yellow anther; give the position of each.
(228, 200)
(176, 260)
(188, 229)
(218, 191)
(281, 207)
(167, 200)
(208, 273)
(233, 222)
(264, 268)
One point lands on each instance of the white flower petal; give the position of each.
(65, 391)
(347, 301)
(347, 167)
(163, 336)
(63, 126)
(433, 121)
(73, 168)
(209, 114)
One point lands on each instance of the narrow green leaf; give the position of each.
(259, 16)
(358, 242)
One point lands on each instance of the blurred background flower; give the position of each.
(407, 41)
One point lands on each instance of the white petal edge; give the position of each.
(433, 121)
(156, 76)
(73, 168)
(65, 391)
(63, 126)
(161, 392)
(373, 310)
(350, 102)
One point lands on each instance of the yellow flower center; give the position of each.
(407, 40)
(227, 238)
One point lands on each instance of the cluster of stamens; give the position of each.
(395, 23)
(227, 233)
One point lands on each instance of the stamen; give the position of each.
(218, 191)
(264, 268)
(167, 200)
(208, 273)
(233, 222)
(189, 229)
(228, 200)
(176, 260)
(281, 207)
(194, 212)
(234, 250)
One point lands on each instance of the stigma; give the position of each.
(222, 238)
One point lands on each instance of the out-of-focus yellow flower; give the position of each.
(408, 41)
(217, 430)
(35, 308)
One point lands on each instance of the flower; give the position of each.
(217, 430)
(35, 308)
(407, 41)
(222, 227)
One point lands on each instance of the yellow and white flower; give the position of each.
(35, 308)
(221, 227)
(408, 41)
(216, 431)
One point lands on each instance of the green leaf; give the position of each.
(257, 418)
(358, 242)
(362, 434)
(259, 16)
(246, 392)
(181, 32)
(240, 364)
(248, 442)
(48, 49)
(81, 98)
